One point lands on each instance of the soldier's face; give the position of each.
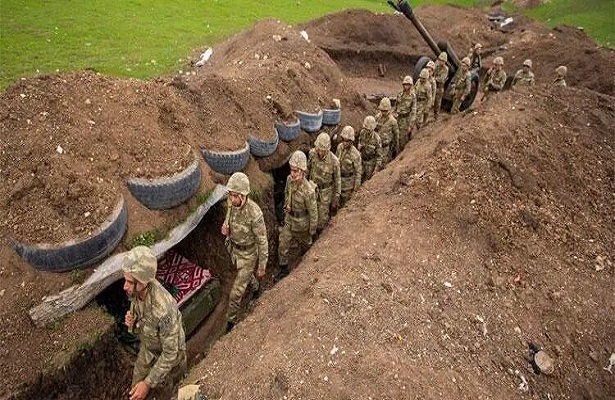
(237, 199)
(347, 143)
(296, 174)
(132, 287)
(526, 68)
(322, 153)
(406, 86)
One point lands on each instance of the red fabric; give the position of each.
(181, 275)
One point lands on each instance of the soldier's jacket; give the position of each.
(440, 74)
(248, 233)
(388, 130)
(423, 93)
(405, 106)
(495, 80)
(432, 82)
(370, 145)
(325, 174)
(475, 60)
(160, 330)
(350, 166)
(462, 83)
(559, 82)
(303, 215)
(524, 79)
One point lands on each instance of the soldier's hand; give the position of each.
(260, 272)
(129, 319)
(335, 204)
(139, 391)
(225, 230)
(287, 209)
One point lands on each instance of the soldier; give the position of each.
(440, 74)
(525, 76)
(405, 111)
(495, 78)
(246, 242)
(560, 72)
(155, 318)
(423, 98)
(461, 85)
(350, 164)
(431, 67)
(300, 212)
(324, 171)
(475, 56)
(388, 130)
(370, 148)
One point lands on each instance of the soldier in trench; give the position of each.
(440, 74)
(350, 165)
(324, 171)
(405, 111)
(155, 318)
(246, 242)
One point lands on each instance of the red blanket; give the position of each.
(180, 276)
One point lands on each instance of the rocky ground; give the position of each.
(492, 229)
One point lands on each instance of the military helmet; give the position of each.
(431, 65)
(478, 46)
(323, 141)
(407, 80)
(298, 160)
(443, 56)
(424, 73)
(527, 63)
(370, 123)
(561, 70)
(348, 133)
(385, 104)
(498, 61)
(141, 264)
(466, 62)
(239, 183)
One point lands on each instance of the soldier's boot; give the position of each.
(229, 326)
(283, 273)
(256, 293)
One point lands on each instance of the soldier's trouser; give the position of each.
(438, 100)
(347, 189)
(245, 277)
(456, 103)
(421, 108)
(167, 388)
(325, 197)
(289, 238)
(386, 154)
(369, 167)
(403, 123)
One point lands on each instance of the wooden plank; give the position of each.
(75, 297)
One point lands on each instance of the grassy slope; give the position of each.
(147, 38)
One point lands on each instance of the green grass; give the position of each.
(597, 17)
(148, 38)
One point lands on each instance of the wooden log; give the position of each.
(75, 297)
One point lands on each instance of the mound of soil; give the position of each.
(446, 264)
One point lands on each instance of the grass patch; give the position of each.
(148, 238)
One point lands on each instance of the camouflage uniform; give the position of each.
(495, 78)
(423, 99)
(301, 221)
(559, 81)
(561, 72)
(162, 356)
(475, 57)
(523, 78)
(370, 148)
(388, 130)
(440, 74)
(247, 244)
(325, 174)
(405, 111)
(351, 170)
(461, 85)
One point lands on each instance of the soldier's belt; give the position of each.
(298, 214)
(403, 114)
(348, 175)
(324, 186)
(421, 98)
(243, 247)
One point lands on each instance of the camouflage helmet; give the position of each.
(466, 62)
(443, 56)
(498, 61)
(478, 46)
(323, 141)
(561, 70)
(527, 63)
(348, 133)
(385, 104)
(431, 64)
(298, 160)
(370, 123)
(239, 183)
(141, 264)
(424, 73)
(407, 80)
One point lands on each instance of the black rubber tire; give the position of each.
(331, 117)
(467, 102)
(310, 123)
(288, 132)
(77, 254)
(227, 162)
(263, 148)
(160, 194)
(418, 67)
